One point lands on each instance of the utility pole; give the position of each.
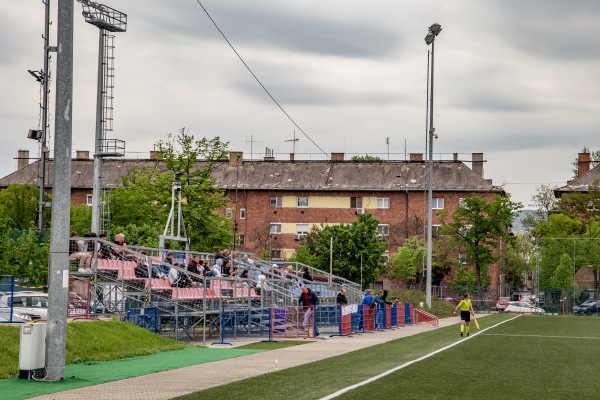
(58, 271)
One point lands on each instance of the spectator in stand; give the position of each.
(368, 299)
(379, 298)
(90, 243)
(341, 298)
(309, 300)
(120, 253)
(78, 252)
(306, 276)
(235, 273)
(194, 267)
(261, 282)
(244, 274)
(215, 271)
(169, 258)
(219, 254)
(226, 270)
(104, 251)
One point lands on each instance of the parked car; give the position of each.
(590, 308)
(27, 303)
(522, 308)
(502, 303)
(586, 304)
(17, 315)
(452, 300)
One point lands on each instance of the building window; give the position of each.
(276, 254)
(301, 229)
(383, 202)
(241, 239)
(302, 201)
(276, 201)
(228, 213)
(275, 228)
(383, 230)
(89, 200)
(435, 230)
(355, 202)
(242, 213)
(437, 203)
(461, 202)
(462, 257)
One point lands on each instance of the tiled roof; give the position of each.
(581, 184)
(289, 175)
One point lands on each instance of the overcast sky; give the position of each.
(516, 80)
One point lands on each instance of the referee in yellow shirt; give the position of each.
(466, 309)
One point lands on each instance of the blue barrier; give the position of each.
(146, 318)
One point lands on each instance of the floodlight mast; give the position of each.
(434, 30)
(111, 20)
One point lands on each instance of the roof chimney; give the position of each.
(337, 156)
(154, 155)
(477, 162)
(583, 164)
(82, 155)
(22, 159)
(416, 156)
(455, 156)
(236, 158)
(291, 156)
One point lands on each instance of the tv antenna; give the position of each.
(251, 142)
(294, 140)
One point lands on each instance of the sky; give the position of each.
(515, 80)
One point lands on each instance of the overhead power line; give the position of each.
(258, 80)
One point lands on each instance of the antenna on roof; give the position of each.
(252, 141)
(294, 140)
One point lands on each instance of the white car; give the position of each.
(27, 303)
(523, 308)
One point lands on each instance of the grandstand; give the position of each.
(214, 307)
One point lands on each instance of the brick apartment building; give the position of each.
(274, 203)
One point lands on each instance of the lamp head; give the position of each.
(435, 29)
(429, 38)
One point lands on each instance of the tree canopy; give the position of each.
(477, 227)
(351, 242)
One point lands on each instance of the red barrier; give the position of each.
(369, 317)
(346, 319)
(400, 316)
(412, 313)
(388, 316)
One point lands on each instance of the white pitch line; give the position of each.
(391, 371)
(544, 336)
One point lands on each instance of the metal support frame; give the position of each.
(169, 232)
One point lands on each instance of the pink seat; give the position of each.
(129, 274)
(160, 284)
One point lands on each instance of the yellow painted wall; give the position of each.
(326, 202)
(369, 202)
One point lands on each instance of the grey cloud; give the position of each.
(270, 28)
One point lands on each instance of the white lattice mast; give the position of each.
(175, 226)
(107, 19)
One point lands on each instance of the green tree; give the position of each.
(81, 218)
(366, 158)
(7, 245)
(145, 196)
(30, 258)
(144, 235)
(581, 206)
(407, 260)
(543, 202)
(303, 255)
(515, 263)
(20, 202)
(477, 228)
(207, 229)
(350, 241)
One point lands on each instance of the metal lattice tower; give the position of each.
(107, 19)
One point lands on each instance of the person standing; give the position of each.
(466, 309)
(309, 300)
(341, 298)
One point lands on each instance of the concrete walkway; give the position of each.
(186, 380)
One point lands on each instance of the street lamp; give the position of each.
(434, 30)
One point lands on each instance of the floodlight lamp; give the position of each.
(38, 75)
(435, 29)
(429, 38)
(34, 134)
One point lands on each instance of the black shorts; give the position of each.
(465, 316)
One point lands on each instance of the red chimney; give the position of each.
(583, 164)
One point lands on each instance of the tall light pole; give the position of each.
(434, 30)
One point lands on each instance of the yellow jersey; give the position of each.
(465, 305)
